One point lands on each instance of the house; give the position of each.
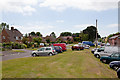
(65, 38)
(12, 35)
(114, 40)
(51, 38)
(30, 38)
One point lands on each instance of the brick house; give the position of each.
(30, 38)
(51, 38)
(12, 35)
(114, 40)
(65, 38)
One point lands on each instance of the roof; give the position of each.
(13, 33)
(113, 37)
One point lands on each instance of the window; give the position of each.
(16, 38)
(48, 48)
(3, 37)
(41, 49)
(21, 38)
(115, 55)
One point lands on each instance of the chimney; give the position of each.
(12, 28)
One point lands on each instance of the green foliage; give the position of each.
(37, 40)
(66, 34)
(32, 33)
(53, 34)
(48, 40)
(76, 34)
(38, 34)
(76, 39)
(91, 31)
(25, 40)
(4, 25)
(84, 37)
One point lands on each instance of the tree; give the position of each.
(75, 34)
(37, 40)
(66, 34)
(25, 40)
(32, 33)
(53, 34)
(91, 31)
(48, 40)
(76, 39)
(7, 26)
(84, 37)
(38, 34)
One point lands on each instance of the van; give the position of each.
(88, 43)
(62, 45)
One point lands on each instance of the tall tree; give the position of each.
(32, 33)
(53, 34)
(66, 34)
(91, 31)
(38, 34)
(37, 40)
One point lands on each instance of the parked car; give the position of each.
(115, 65)
(44, 51)
(98, 50)
(88, 43)
(58, 49)
(118, 73)
(112, 57)
(86, 46)
(77, 47)
(108, 50)
(62, 45)
(93, 50)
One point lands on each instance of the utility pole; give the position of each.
(96, 33)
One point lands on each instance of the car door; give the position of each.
(47, 51)
(41, 51)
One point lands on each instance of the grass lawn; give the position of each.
(17, 51)
(70, 64)
(32, 49)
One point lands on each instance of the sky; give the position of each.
(46, 16)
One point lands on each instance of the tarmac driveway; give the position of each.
(7, 55)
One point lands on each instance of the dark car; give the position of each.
(77, 47)
(118, 73)
(112, 57)
(58, 49)
(115, 65)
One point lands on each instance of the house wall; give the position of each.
(4, 33)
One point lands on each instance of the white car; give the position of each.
(107, 51)
(44, 51)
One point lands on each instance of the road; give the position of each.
(7, 55)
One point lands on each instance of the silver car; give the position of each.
(44, 51)
(107, 51)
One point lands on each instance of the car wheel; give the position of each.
(104, 61)
(50, 54)
(115, 68)
(34, 54)
(97, 56)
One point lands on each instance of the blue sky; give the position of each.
(58, 16)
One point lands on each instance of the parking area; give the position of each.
(69, 64)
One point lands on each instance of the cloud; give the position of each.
(60, 21)
(44, 29)
(112, 26)
(18, 6)
(82, 26)
(61, 5)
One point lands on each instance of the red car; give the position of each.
(77, 47)
(62, 45)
